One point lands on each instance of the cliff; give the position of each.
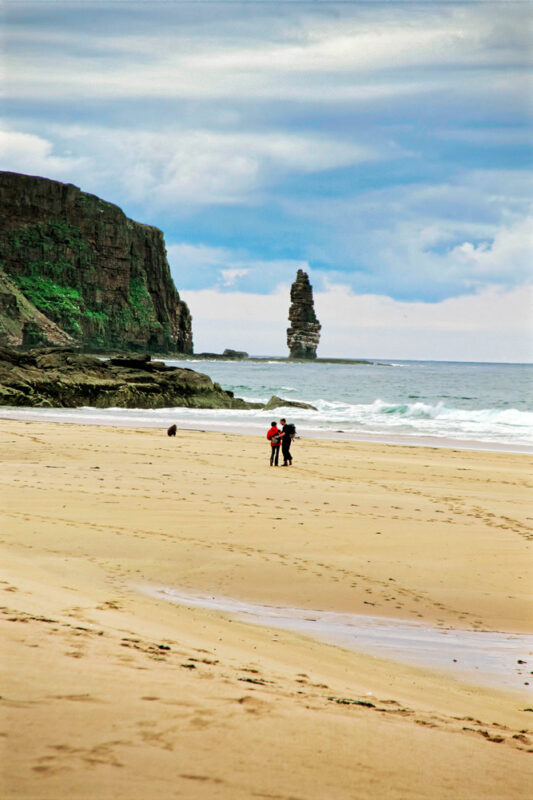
(76, 270)
(304, 334)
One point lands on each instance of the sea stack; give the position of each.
(304, 334)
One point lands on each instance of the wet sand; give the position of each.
(500, 660)
(108, 692)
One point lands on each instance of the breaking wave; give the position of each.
(486, 424)
(379, 418)
(504, 416)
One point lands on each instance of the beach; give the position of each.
(110, 690)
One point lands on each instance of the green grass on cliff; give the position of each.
(53, 258)
(56, 272)
(61, 303)
(50, 240)
(141, 303)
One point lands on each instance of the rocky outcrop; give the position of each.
(227, 355)
(83, 272)
(304, 334)
(235, 355)
(279, 402)
(63, 378)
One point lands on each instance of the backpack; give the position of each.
(291, 430)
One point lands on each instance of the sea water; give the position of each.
(417, 402)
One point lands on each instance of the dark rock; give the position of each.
(64, 378)
(227, 355)
(139, 362)
(77, 270)
(238, 355)
(278, 402)
(33, 335)
(304, 334)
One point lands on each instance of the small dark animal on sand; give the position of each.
(172, 430)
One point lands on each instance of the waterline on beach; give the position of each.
(252, 423)
(501, 660)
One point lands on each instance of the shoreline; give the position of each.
(370, 361)
(169, 416)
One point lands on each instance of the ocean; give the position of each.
(452, 404)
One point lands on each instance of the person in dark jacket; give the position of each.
(286, 441)
(274, 438)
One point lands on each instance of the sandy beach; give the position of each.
(110, 692)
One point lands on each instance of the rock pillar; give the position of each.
(304, 334)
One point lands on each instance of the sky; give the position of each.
(383, 147)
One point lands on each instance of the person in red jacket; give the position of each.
(274, 438)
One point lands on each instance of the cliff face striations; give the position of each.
(75, 269)
(304, 334)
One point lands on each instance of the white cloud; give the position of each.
(230, 275)
(238, 320)
(165, 156)
(355, 54)
(184, 166)
(511, 251)
(490, 326)
(184, 255)
(345, 45)
(417, 254)
(491, 311)
(426, 240)
(220, 268)
(25, 152)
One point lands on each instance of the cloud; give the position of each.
(492, 325)
(25, 152)
(425, 241)
(420, 242)
(230, 275)
(419, 262)
(205, 167)
(184, 255)
(307, 53)
(510, 252)
(379, 145)
(490, 310)
(222, 269)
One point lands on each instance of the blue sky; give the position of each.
(385, 147)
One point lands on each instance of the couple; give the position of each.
(281, 438)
